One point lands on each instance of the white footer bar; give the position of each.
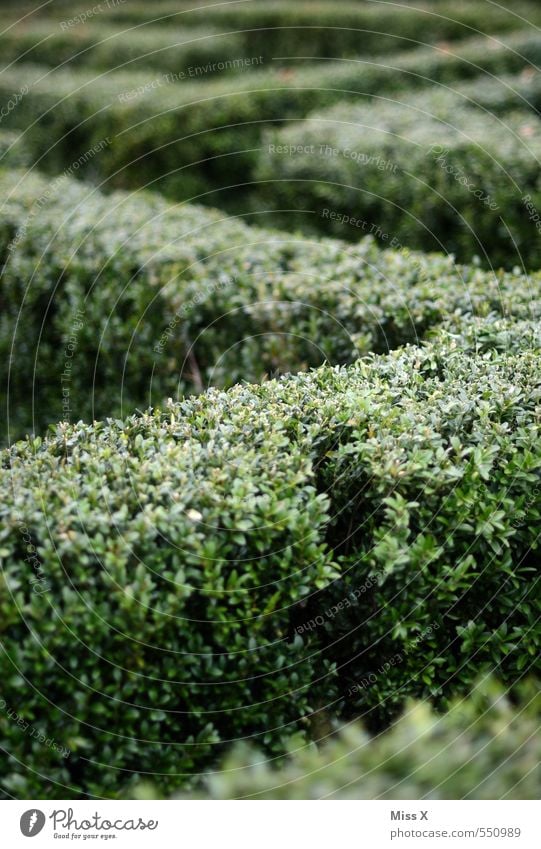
(272, 824)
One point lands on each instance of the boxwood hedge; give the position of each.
(437, 171)
(341, 28)
(436, 519)
(132, 34)
(181, 135)
(177, 50)
(185, 54)
(485, 747)
(257, 562)
(145, 602)
(115, 302)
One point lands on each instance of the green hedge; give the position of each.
(178, 50)
(338, 28)
(436, 508)
(204, 137)
(164, 577)
(485, 747)
(186, 54)
(115, 302)
(272, 30)
(434, 171)
(145, 606)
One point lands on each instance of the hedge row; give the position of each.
(485, 747)
(337, 29)
(240, 32)
(436, 171)
(197, 53)
(149, 623)
(435, 519)
(186, 54)
(258, 562)
(203, 137)
(115, 302)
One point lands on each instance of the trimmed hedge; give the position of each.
(204, 137)
(145, 605)
(436, 509)
(117, 302)
(182, 557)
(272, 30)
(436, 171)
(186, 54)
(176, 50)
(485, 747)
(337, 29)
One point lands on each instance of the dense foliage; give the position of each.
(195, 136)
(349, 537)
(13, 151)
(183, 53)
(273, 486)
(343, 28)
(115, 302)
(437, 171)
(484, 748)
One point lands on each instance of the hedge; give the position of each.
(485, 747)
(165, 576)
(145, 616)
(186, 54)
(435, 501)
(436, 171)
(337, 29)
(115, 302)
(196, 53)
(204, 137)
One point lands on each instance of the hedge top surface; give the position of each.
(97, 44)
(154, 231)
(179, 135)
(448, 169)
(177, 52)
(487, 112)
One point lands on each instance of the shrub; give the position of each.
(115, 302)
(337, 29)
(182, 557)
(195, 53)
(183, 53)
(131, 34)
(436, 500)
(432, 171)
(145, 607)
(180, 136)
(483, 748)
